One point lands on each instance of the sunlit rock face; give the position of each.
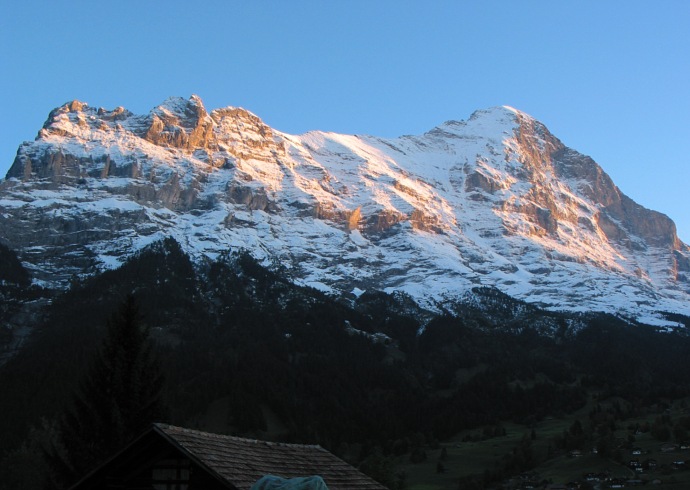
(495, 200)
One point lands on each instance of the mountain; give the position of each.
(495, 200)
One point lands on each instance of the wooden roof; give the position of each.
(241, 462)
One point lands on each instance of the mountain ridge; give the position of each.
(495, 200)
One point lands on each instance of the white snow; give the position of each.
(440, 213)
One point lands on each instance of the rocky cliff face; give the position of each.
(495, 200)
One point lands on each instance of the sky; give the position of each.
(610, 79)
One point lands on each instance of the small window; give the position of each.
(171, 474)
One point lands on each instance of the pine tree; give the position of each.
(118, 399)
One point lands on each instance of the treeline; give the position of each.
(15, 289)
(246, 352)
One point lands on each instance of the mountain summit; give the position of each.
(495, 200)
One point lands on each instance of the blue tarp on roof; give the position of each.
(271, 482)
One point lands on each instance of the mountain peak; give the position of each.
(493, 121)
(180, 123)
(76, 106)
(181, 108)
(495, 200)
(504, 113)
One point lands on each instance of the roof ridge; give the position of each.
(172, 428)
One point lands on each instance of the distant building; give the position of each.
(668, 447)
(173, 458)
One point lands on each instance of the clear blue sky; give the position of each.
(609, 78)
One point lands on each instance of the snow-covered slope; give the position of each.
(495, 200)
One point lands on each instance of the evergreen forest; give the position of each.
(231, 346)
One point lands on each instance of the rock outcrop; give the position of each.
(495, 200)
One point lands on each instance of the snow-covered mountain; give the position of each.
(495, 200)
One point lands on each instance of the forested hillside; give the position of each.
(246, 352)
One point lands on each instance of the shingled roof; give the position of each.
(243, 461)
(231, 462)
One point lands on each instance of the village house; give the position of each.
(668, 447)
(174, 458)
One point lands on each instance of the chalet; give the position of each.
(173, 458)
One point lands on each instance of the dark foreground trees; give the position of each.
(118, 398)
(243, 347)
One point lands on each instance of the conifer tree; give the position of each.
(118, 398)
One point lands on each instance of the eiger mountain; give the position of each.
(495, 200)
